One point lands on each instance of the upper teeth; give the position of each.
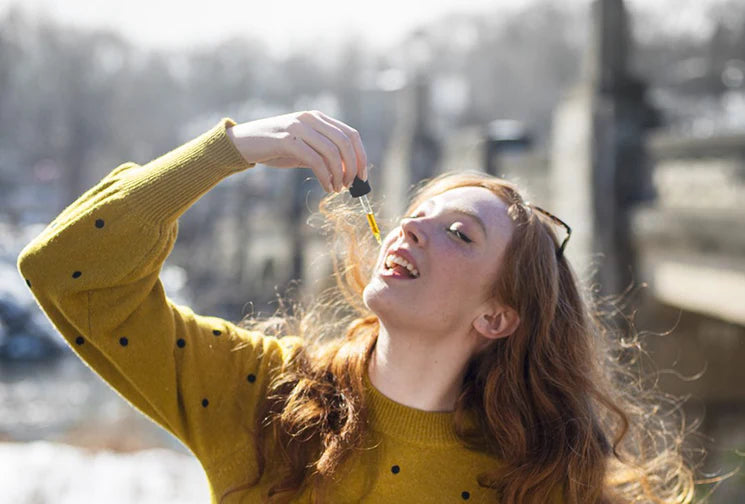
(394, 259)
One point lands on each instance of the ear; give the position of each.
(500, 322)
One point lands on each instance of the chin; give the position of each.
(386, 307)
(379, 301)
(369, 297)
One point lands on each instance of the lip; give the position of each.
(405, 255)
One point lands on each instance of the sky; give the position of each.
(170, 24)
(379, 24)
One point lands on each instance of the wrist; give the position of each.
(239, 143)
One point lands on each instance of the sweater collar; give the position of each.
(404, 422)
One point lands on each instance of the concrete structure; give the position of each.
(667, 211)
(599, 168)
(691, 247)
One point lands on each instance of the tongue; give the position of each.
(401, 270)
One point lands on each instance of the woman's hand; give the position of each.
(332, 149)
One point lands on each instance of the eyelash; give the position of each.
(457, 233)
(460, 235)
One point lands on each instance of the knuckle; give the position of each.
(294, 125)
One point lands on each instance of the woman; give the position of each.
(458, 363)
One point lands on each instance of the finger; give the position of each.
(310, 158)
(356, 139)
(342, 142)
(328, 150)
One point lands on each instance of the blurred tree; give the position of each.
(87, 100)
(227, 73)
(347, 80)
(516, 63)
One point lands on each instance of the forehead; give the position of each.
(487, 205)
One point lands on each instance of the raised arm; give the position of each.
(94, 271)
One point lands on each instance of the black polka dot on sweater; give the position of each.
(205, 403)
(79, 340)
(181, 342)
(216, 332)
(395, 469)
(28, 282)
(123, 341)
(76, 274)
(251, 378)
(99, 223)
(465, 495)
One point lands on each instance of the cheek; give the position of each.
(459, 278)
(455, 274)
(464, 279)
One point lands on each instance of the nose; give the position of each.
(413, 230)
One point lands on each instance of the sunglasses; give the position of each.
(560, 250)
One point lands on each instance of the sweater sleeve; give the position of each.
(95, 273)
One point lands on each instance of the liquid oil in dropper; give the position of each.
(370, 217)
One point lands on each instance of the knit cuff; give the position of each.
(163, 189)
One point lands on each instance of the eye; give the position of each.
(460, 235)
(455, 232)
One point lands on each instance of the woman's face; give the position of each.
(454, 243)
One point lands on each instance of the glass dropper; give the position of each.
(359, 190)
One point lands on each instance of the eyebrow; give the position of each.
(468, 213)
(474, 216)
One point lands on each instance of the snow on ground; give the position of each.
(50, 473)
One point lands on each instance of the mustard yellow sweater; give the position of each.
(94, 271)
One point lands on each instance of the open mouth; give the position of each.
(400, 267)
